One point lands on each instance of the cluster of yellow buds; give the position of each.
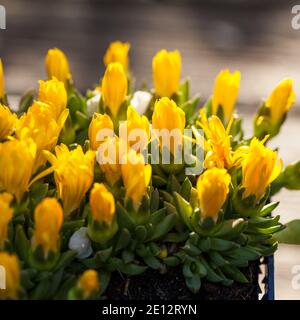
(68, 171)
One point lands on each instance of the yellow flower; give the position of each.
(57, 65)
(54, 93)
(39, 124)
(2, 84)
(17, 159)
(7, 122)
(48, 219)
(89, 282)
(166, 69)
(136, 177)
(260, 167)
(281, 100)
(73, 174)
(5, 215)
(225, 93)
(102, 203)
(168, 116)
(111, 167)
(117, 52)
(139, 123)
(114, 87)
(213, 188)
(99, 122)
(218, 147)
(10, 265)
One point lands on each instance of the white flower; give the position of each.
(93, 104)
(140, 101)
(81, 243)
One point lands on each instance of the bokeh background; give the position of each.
(253, 36)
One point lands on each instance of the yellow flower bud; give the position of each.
(136, 177)
(166, 69)
(7, 122)
(102, 203)
(111, 167)
(135, 121)
(5, 215)
(213, 188)
(10, 264)
(225, 93)
(114, 87)
(281, 100)
(39, 124)
(48, 219)
(117, 52)
(17, 159)
(2, 83)
(168, 116)
(260, 167)
(53, 92)
(89, 282)
(57, 65)
(99, 122)
(73, 174)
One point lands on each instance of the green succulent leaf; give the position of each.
(268, 209)
(123, 240)
(234, 273)
(222, 245)
(291, 234)
(184, 209)
(164, 227)
(65, 259)
(22, 244)
(193, 283)
(124, 219)
(186, 188)
(231, 228)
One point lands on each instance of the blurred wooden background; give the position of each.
(254, 37)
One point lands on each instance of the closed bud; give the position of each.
(108, 158)
(89, 283)
(139, 125)
(17, 159)
(280, 100)
(166, 69)
(213, 188)
(48, 219)
(57, 65)
(225, 93)
(99, 122)
(114, 87)
(167, 116)
(136, 177)
(260, 167)
(117, 52)
(53, 92)
(102, 204)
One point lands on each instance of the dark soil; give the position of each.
(152, 285)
